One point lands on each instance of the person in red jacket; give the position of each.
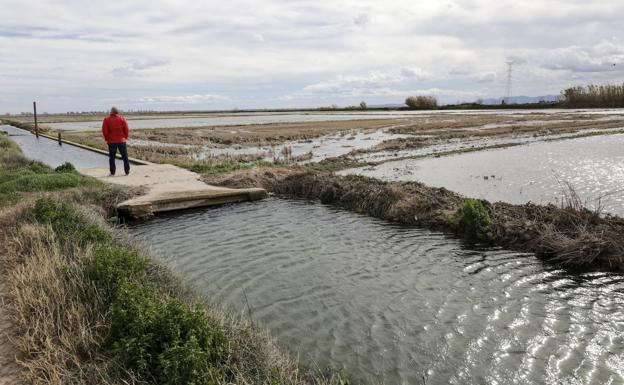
(116, 132)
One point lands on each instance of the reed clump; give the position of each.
(594, 96)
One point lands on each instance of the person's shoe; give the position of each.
(110, 175)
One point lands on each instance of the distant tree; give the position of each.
(363, 105)
(421, 102)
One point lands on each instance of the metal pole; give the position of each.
(59, 139)
(36, 126)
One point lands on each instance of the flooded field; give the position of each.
(233, 120)
(382, 138)
(57, 122)
(397, 305)
(537, 172)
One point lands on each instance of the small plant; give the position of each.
(473, 220)
(65, 167)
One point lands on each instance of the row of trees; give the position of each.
(611, 95)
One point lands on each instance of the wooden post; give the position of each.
(36, 126)
(59, 139)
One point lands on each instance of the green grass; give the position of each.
(19, 175)
(225, 166)
(36, 177)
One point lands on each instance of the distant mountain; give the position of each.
(524, 99)
(389, 105)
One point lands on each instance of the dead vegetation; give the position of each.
(570, 234)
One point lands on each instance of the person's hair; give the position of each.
(114, 111)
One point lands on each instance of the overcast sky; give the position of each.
(172, 54)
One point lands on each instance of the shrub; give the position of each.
(113, 264)
(421, 102)
(473, 220)
(65, 167)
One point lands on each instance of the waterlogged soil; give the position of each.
(392, 304)
(537, 172)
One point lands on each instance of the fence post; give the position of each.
(36, 126)
(59, 139)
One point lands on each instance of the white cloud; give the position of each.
(181, 99)
(73, 55)
(602, 57)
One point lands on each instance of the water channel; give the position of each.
(391, 304)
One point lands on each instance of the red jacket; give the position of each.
(115, 129)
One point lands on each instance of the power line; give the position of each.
(508, 94)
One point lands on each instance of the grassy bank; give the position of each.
(90, 307)
(570, 234)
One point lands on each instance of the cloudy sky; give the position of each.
(173, 54)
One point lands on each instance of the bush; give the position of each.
(421, 102)
(473, 220)
(65, 167)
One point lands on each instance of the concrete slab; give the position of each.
(170, 188)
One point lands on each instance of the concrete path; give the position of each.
(170, 188)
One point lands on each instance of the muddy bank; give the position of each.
(570, 234)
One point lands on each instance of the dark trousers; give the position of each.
(112, 151)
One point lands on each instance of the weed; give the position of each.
(65, 167)
(473, 220)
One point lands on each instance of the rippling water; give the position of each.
(391, 304)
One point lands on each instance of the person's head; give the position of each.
(114, 111)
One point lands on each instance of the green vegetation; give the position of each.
(19, 175)
(224, 166)
(595, 96)
(473, 220)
